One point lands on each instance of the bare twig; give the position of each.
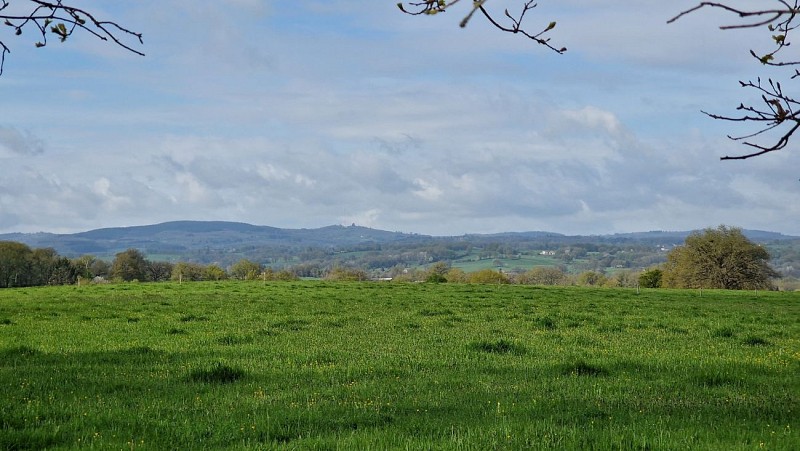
(62, 20)
(431, 7)
(778, 110)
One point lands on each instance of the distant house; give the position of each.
(547, 253)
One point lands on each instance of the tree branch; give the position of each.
(62, 20)
(778, 110)
(432, 7)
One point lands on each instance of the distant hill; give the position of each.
(182, 238)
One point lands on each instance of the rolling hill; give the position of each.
(179, 238)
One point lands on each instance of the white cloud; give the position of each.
(426, 190)
(111, 201)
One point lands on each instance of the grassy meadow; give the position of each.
(322, 365)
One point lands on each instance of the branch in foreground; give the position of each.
(62, 20)
(778, 111)
(780, 20)
(432, 7)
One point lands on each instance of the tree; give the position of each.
(436, 273)
(101, 268)
(159, 271)
(59, 19)
(718, 258)
(543, 275)
(592, 279)
(83, 265)
(21, 266)
(43, 262)
(129, 265)
(62, 272)
(214, 272)
(651, 278)
(456, 275)
(432, 7)
(245, 269)
(14, 264)
(622, 279)
(777, 114)
(778, 111)
(183, 271)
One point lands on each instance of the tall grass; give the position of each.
(387, 366)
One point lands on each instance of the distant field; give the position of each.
(326, 365)
(524, 262)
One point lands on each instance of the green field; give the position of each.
(322, 365)
(523, 262)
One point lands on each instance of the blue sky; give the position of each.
(311, 113)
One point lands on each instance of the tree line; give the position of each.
(23, 266)
(714, 258)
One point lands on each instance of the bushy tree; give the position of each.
(245, 269)
(592, 279)
(543, 275)
(101, 268)
(718, 258)
(436, 273)
(159, 271)
(62, 272)
(622, 279)
(214, 272)
(456, 275)
(83, 265)
(651, 278)
(43, 263)
(129, 265)
(188, 272)
(14, 264)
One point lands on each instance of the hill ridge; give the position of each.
(187, 236)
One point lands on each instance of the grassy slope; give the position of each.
(319, 365)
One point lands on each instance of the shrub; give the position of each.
(456, 275)
(487, 276)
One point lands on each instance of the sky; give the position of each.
(310, 113)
